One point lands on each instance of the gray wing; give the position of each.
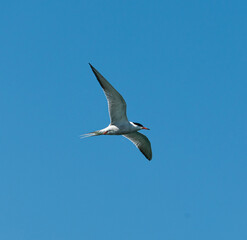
(116, 103)
(141, 142)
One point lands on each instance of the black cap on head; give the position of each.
(138, 124)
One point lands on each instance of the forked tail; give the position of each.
(91, 134)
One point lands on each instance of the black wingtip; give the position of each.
(93, 69)
(149, 158)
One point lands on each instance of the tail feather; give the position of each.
(91, 134)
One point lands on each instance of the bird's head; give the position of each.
(140, 126)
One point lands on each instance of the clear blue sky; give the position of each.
(181, 67)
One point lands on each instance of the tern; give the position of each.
(120, 125)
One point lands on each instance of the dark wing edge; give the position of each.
(98, 75)
(141, 142)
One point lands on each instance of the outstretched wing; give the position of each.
(116, 103)
(141, 142)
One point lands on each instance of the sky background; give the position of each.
(181, 67)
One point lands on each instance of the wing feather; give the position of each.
(141, 142)
(116, 103)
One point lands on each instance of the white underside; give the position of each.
(119, 129)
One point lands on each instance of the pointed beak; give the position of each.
(145, 128)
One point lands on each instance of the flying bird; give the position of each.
(120, 125)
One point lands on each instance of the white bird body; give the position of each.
(119, 129)
(120, 125)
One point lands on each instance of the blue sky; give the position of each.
(181, 67)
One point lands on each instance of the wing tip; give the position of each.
(149, 158)
(97, 75)
(94, 70)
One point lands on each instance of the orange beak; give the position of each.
(145, 128)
